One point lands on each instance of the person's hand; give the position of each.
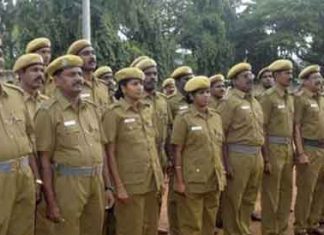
(110, 199)
(122, 194)
(267, 168)
(303, 159)
(38, 193)
(180, 187)
(54, 214)
(229, 173)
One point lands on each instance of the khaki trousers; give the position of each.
(277, 190)
(241, 192)
(309, 183)
(17, 201)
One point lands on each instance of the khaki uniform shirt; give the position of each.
(258, 91)
(201, 136)
(133, 135)
(49, 86)
(214, 102)
(16, 127)
(161, 120)
(177, 104)
(278, 111)
(33, 103)
(72, 136)
(242, 119)
(309, 113)
(96, 92)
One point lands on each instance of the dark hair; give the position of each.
(58, 72)
(188, 98)
(119, 93)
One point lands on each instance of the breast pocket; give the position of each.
(69, 133)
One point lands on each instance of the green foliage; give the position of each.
(214, 31)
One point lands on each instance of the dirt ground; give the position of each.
(255, 226)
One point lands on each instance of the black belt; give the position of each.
(314, 143)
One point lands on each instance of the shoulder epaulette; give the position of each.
(114, 105)
(48, 103)
(43, 97)
(14, 87)
(298, 93)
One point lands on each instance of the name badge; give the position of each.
(129, 120)
(183, 107)
(281, 106)
(245, 107)
(85, 95)
(69, 123)
(196, 128)
(314, 106)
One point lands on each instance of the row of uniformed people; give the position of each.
(241, 77)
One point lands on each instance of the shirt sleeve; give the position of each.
(266, 105)
(226, 112)
(298, 109)
(109, 126)
(179, 131)
(44, 131)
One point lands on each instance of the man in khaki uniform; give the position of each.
(243, 129)
(30, 80)
(200, 177)
(309, 141)
(133, 158)
(42, 46)
(177, 104)
(69, 141)
(105, 74)
(217, 90)
(265, 81)
(278, 111)
(158, 102)
(17, 163)
(168, 87)
(93, 90)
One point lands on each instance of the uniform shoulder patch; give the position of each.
(13, 87)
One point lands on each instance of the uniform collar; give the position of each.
(127, 106)
(3, 90)
(196, 112)
(92, 82)
(65, 103)
(241, 94)
(28, 96)
(281, 92)
(148, 96)
(309, 93)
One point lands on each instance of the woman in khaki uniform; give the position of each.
(132, 156)
(197, 138)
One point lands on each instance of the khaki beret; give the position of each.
(102, 70)
(27, 60)
(309, 70)
(128, 73)
(138, 59)
(216, 78)
(238, 68)
(77, 46)
(145, 64)
(262, 71)
(280, 65)
(181, 71)
(37, 43)
(196, 83)
(62, 62)
(167, 82)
